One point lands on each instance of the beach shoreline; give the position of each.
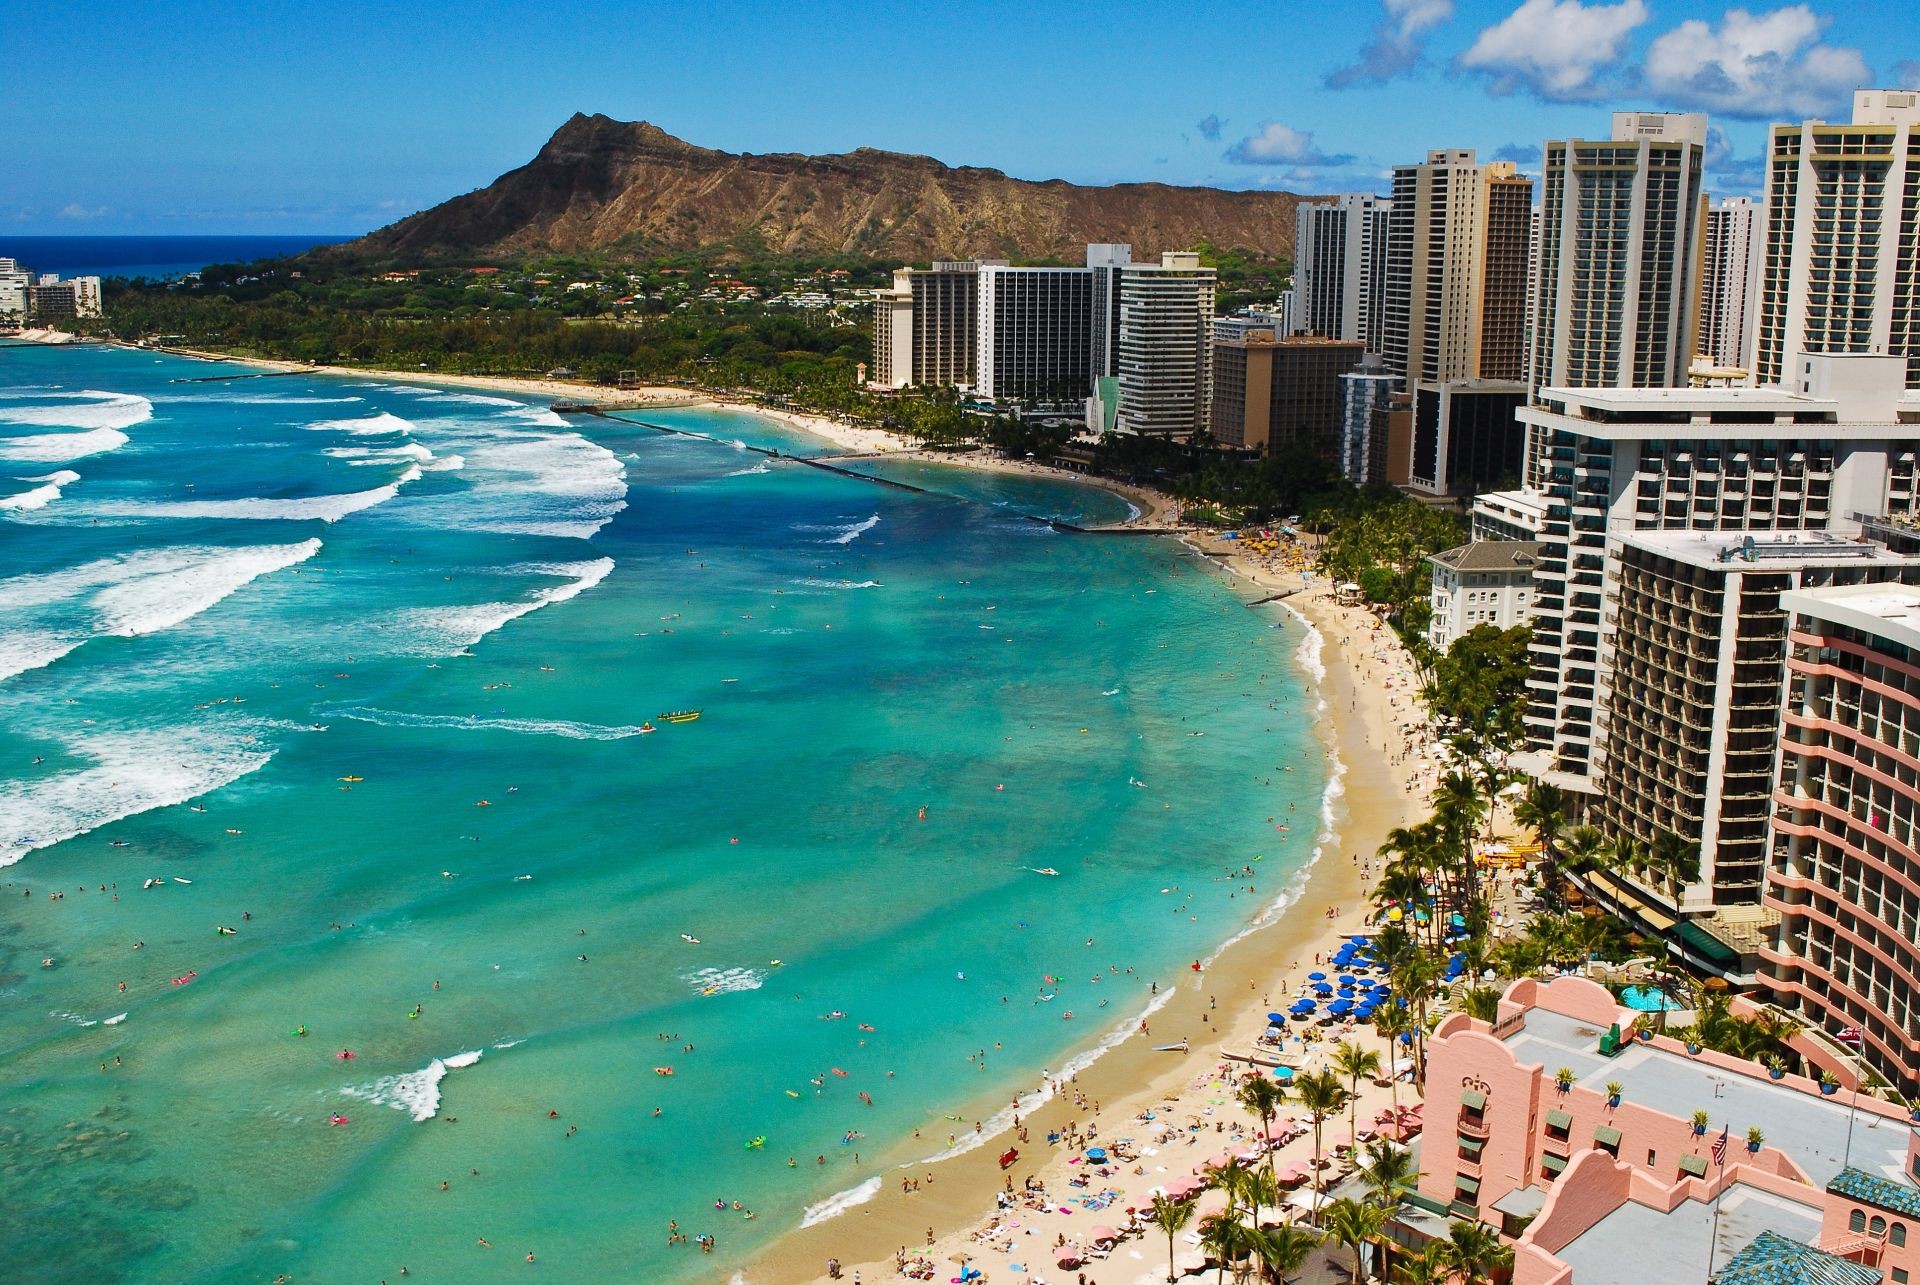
(1151, 508)
(1255, 970)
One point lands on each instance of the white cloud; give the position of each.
(1395, 46)
(75, 210)
(1278, 144)
(1755, 65)
(1556, 49)
(1906, 74)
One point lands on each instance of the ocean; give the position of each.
(339, 864)
(157, 257)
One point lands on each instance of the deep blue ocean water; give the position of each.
(150, 256)
(360, 672)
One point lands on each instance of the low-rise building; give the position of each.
(1524, 1131)
(1509, 515)
(1272, 392)
(1488, 582)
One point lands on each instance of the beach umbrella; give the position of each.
(1345, 979)
(1283, 1072)
(1097, 1154)
(1322, 989)
(1316, 977)
(1275, 1017)
(1103, 1233)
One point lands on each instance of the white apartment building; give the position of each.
(1340, 267)
(893, 333)
(1616, 300)
(1488, 582)
(1508, 515)
(1612, 462)
(1456, 277)
(1164, 346)
(1837, 269)
(1363, 400)
(1035, 333)
(1727, 280)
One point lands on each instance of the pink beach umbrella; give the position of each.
(1103, 1233)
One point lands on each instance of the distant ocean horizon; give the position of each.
(157, 257)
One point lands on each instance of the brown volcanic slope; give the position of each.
(603, 185)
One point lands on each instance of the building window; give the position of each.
(1899, 1235)
(1651, 1161)
(1878, 1227)
(1857, 1221)
(1900, 1276)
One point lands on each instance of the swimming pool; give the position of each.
(1650, 999)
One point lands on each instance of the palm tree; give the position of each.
(1171, 1217)
(1583, 846)
(1392, 1022)
(1357, 1064)
(1283, 1250)
(1417, 982)
(1321, 1095)
(1226, 1238)
(1431, 1266)
(1475, 1252)
(1543, 809)
(1263, 1095)
(1390, 1177)
(1261, 1191)
(1675, 859)
(1355, 1225)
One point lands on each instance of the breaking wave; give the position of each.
(40, 496)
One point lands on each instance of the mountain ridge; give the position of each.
(604, 186)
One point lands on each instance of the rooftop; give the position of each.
(1815, 1132)
(1771, 550)
(1870, 1189)
(1636, 1244)
(1491, 555)
(1878, 610)
(1772, 1259)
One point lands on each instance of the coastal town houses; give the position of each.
(1614, 1155)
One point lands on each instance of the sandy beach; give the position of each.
(950, 1208)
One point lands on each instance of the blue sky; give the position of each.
(269, 117)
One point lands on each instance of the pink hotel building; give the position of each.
(1600, 1190)
(1845, 867)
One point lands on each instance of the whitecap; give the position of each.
(40, 496)
(417, 1092)
(53, 448)
(840, 1202)
(725, 981)
(473, 399)
(101, 410)
(322, 508)
(377, 425)
(131, 772)
(475, 723)
(839, 584)
(440, 631)
(128, 596)
(115, 1020)
(844, 533)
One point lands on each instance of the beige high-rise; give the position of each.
(1618, 275)
(1456, 284)
(1840, 260)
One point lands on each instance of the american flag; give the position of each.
(1720, 1146)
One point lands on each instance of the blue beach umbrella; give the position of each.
(1275, 1017)
(1283, 1072)
(1316, 977)
(1097, 1154)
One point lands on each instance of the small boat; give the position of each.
(353, 780)
(647, 727)
(1045, 870)
(682, 716)
(689, 937)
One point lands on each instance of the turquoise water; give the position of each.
(220, 600)
(1649, 999)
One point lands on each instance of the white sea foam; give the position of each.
(54, 448)
(417, 1092)
(846, 533)
(89, 408)
(442, 631)
(114, 1020)
(381, 454)
(522, 726)
(40, 496)
(131, 772)
(761, 467)
(725, 981)
(446, 464)
(378, 425)
(540, 415)
(135, 594)
(541, 484)
(841, 1202)
(323, 508)
(473, 399)
(813, 583)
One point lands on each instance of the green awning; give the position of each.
(1695, 1165)
(1552, 1164)
(1472, 1147)
(1473, 1099)
(1607, 1137)
(1469, 1185)
(1716, 951)
(1559, 1120)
